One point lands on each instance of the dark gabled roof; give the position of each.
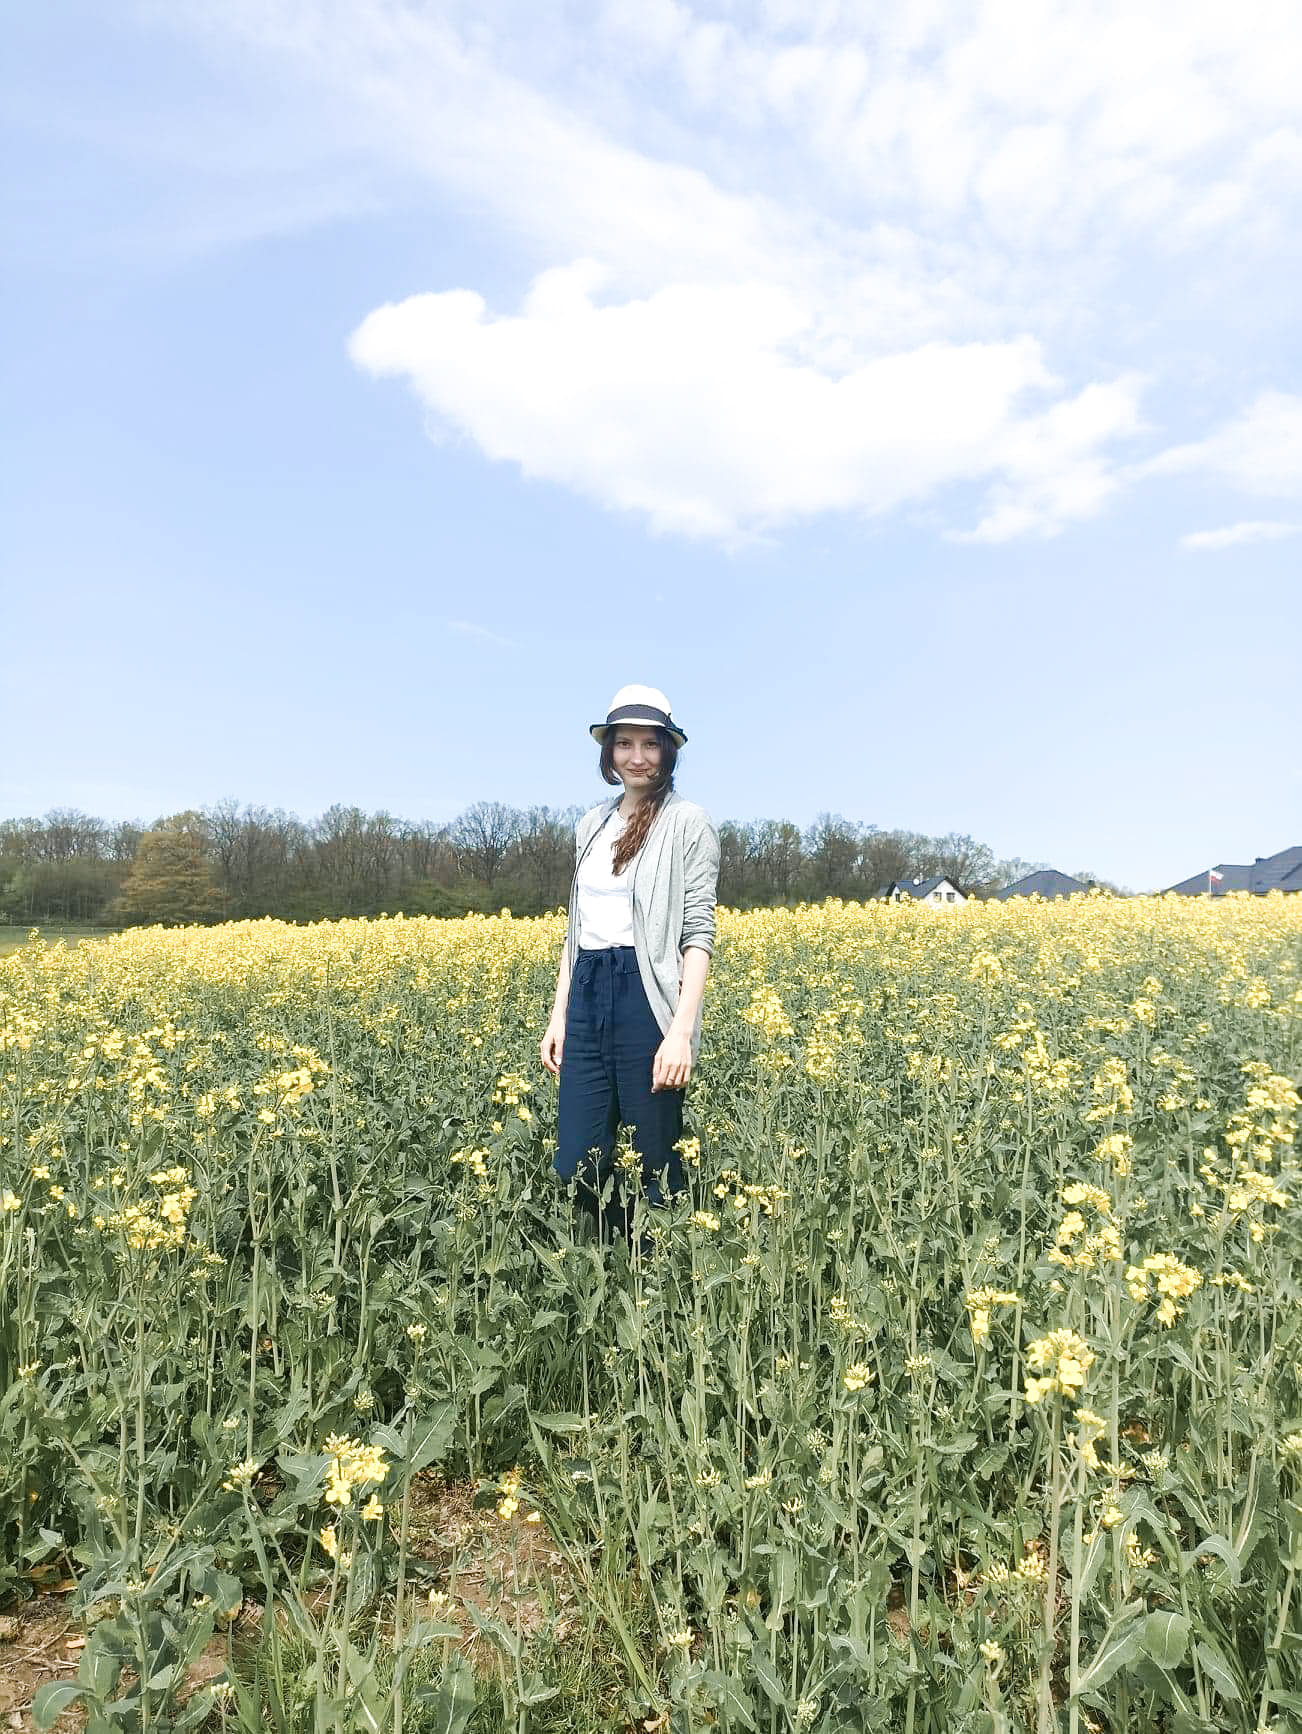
(918, 888)
(1234, 877)
(1282, 872)
(1047, 882)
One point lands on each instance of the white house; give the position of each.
(940, 892)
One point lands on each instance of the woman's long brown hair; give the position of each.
(635, 831)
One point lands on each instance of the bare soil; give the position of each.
(38, 1642)
(506, 1569)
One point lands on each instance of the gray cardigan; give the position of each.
(674, 881)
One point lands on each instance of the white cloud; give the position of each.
(696, 407)
(1234, 535)
(1259, 451)
(1047, 122)
(840, 247)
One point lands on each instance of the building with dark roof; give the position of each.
(1046, 882)
(1281, 872)
(937, 890)
(1233, 877)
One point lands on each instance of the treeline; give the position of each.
(230, 861)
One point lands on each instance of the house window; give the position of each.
(949, 896)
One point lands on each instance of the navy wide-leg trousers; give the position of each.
(611, 1038)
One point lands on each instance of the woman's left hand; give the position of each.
(672, 1065)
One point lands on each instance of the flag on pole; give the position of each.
(1214, 876)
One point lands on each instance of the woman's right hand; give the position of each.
(552, 1044)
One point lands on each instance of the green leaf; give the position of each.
(1120, 1645)
(364, 1576)
(198, 1710)
(1217, 1669)
(423, 1440)
(364, 1697)
(730, 1696)
(450, 1706)
(184, 1559)
(209, 1437)
(1094, 1554)
(958, 1447)
(52, 1700)
(991, 1460)
(782, 1586)
(854, 1647)
(506, 1640)
(1218, 1545)
(101, 1662)
(428, 1630)
(558, 1423)
(535, 1690)
(307, 1473)
(762, 1668)
(1165, 1638)
(1291, 1556)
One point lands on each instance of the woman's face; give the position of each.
(637, 755)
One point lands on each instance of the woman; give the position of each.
(627, 1012)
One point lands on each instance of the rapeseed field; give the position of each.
(960, 1391)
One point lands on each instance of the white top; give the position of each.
(605, 897)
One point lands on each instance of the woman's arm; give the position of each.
(673, 1062)
(552, 1045)
(700, 887)
(696, 966)
(553, 1042)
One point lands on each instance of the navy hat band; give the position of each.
(642, 713)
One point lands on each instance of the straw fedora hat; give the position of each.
(639, 704)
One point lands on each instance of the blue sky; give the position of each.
(918, 405)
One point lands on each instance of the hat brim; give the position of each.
(598, 730)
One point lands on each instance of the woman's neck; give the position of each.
(630, 804)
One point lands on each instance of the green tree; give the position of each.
(170, 879)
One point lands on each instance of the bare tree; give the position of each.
(483, 837)
(1007, 872)
(20, 840)
(962, 859)
(832, 856)
(70, 835)
(779, 858)
(887, 856)
(427, 852)
(544, 848)
(123, 840)
(354, 857)
(258, 854)
(738, 851)
(68, 864)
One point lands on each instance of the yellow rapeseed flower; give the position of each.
(1063, 1360)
